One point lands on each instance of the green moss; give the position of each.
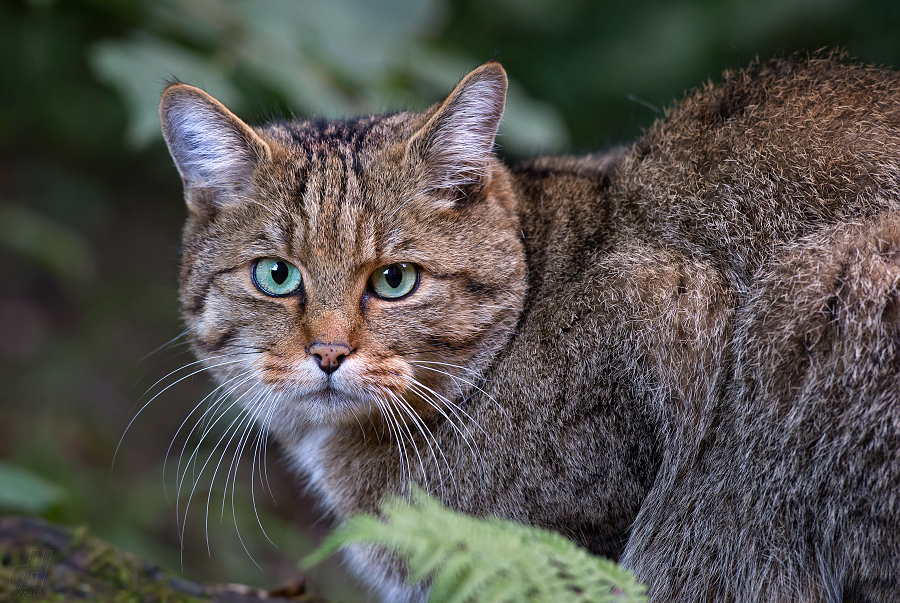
(81, 567)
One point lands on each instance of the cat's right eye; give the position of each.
(276, 277)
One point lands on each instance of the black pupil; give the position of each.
(279, 273)
(393, 276)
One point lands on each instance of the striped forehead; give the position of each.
(335, 208)
(334, 212)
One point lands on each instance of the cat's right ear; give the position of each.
(215, 152)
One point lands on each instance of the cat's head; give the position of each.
(339, 270)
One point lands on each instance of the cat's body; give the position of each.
(684, 355)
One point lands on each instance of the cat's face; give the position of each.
(347, 270)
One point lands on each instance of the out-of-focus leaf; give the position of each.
(60, 249)
(22, 491)
(362, 38)
(139, 68)
(326, 59)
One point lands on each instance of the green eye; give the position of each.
(276, 277)
(394, 281)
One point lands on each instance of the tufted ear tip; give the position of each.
(492, 69)
(215, 152)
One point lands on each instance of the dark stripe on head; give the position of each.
(198, 300)
(467, 281)
(302, 178)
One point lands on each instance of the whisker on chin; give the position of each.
(429, 437)
(270, 401)
(468, 370)
(426, 393)
(449, 402)
(253, 404)
(455, 410)
(419, 363)
(263, 464)
(251, 417)
(251, 423)
(393, 426)
(212, 410)
(400, 405)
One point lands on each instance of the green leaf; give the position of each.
(139, 68)
(22, 491)
(484, 560)
(57, 247)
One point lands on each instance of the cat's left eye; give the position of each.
(394, 281)
(276, 277)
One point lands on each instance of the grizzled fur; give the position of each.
(684, 355)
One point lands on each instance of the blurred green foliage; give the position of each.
(296, 53)
(22, 491)
(90, 204)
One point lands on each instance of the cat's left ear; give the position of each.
(215, 152)
(452, 153)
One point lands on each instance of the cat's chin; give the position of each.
(331, 406)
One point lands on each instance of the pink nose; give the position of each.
(329, 355)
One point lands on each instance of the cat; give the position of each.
(683, 354)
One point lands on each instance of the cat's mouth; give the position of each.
(359, 389)
(335, 399)
(334, 405)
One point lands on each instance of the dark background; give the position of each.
(91, 209)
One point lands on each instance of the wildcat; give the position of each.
(684, 354)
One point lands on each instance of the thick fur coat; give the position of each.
(684, 355)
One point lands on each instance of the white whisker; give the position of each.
(183, 423)
(165, 345)
(260, 435)
(130, 423)
(242, 413)
(215, 406)
(181, 476)
(425, 393)
(454, 377)
(450, 404)
(404, 407)
(428, 436)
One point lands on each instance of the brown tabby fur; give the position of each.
(684, 355)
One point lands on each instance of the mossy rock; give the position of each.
(47, 562)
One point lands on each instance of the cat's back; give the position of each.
(770, 154)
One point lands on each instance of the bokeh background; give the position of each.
(90, 207)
